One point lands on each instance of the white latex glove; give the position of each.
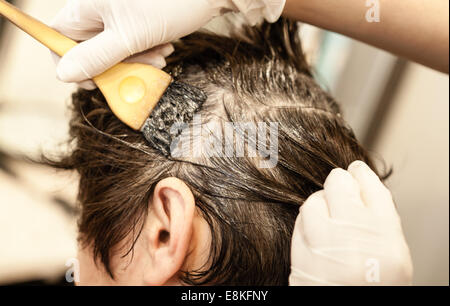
(113, 30)
(350, 234)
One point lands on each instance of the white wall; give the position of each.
(34, 103)
(37, 237)
(415, 141)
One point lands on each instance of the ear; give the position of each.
(170, 226)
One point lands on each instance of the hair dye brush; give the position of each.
(131, 90)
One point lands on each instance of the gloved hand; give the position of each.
(113, 30)
(350, 234)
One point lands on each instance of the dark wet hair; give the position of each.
(254, 75)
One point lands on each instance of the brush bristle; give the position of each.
(178, 106)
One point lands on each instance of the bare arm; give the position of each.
(415, 29)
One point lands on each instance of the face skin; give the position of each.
(175, 238)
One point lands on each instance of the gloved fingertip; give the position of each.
(374, 192)
(337, 176)
(340, 183)
(167, 50)
(360, 170)
(158, 62)
(151, 58)
(70, 71)
(315, 203)
(87, 85)
(357, 164)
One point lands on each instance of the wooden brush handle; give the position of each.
(52, 39)
(132, 90)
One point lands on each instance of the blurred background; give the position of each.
(398, 109)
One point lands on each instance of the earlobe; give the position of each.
(170, 222)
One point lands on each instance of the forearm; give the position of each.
(415, 29)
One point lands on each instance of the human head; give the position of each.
(209, 219)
